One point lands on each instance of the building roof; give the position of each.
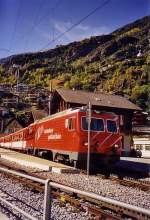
(38, 114)
(96, 99)
(12, 126)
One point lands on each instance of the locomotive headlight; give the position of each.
(116, 146)
(85, 144)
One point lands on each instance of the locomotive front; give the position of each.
(105, 139)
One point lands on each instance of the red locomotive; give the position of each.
(63, 137)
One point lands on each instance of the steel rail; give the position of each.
(18, 209)
(101, 198)
(48, 199)
(23, 175)
(47, 194)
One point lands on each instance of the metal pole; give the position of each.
(49, 105)
(103, 199)
(89, 137)
(50, 97)
(17, 79)
(47, 201)
(13, 206)
(23, 175)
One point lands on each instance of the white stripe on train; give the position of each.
(15, 144)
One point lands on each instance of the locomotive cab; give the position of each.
(105, 139)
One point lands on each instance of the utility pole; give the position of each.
(49, 103)
(50, 98)
(17, 79)
(89, 136)
(17, 75)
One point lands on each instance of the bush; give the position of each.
(141, 95)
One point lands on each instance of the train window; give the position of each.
(96, 124)
(111, 126)
(147, 147)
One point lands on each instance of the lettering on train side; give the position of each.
(54, 136)
(48, 130)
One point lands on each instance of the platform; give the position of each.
(135, 164)
(138, 160)
(35, 162)
(3, 217)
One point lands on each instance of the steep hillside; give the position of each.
(115, 63)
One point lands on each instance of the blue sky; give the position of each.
(29, 25)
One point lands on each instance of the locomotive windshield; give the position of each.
(96, 124)
(111, 126)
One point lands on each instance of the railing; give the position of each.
(47, 195)
(141, 212)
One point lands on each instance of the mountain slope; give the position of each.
(107, 63)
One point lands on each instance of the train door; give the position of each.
(71, 127)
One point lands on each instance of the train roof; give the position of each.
(56, 115)
(69, 111)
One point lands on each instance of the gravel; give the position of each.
(32, 203)
(104, 187)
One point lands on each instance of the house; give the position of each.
(4, 112)
(21, 87)
(64, 98)
(12, 126)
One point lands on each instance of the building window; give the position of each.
(139, 147)
(147, 147)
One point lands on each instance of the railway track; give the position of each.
(125, 181)
(63, 197)
(130, 182)
(100, 210)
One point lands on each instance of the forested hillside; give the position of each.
(116, 63)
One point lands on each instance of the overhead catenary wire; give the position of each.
(35, 20)
(32, 28)
(40, 20)
(69, 29)
(76, 24)
(5, 49)
(15, 25)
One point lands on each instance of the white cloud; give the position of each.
(79, 32)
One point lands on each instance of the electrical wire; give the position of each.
(15, 26)
(39, 21)
(4, 49)
(35, 20)
(76, 24)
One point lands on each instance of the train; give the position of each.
(63, 137)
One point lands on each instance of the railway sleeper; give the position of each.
(121, 213)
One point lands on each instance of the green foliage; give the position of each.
(108, 63)
(141, 95)
(1, 69)
(132, 31)
(78, 63)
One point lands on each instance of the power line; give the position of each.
(37, 22)
(35, 19)
(5, 49)
(77, 23)
(15, 26)
(40, 20)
